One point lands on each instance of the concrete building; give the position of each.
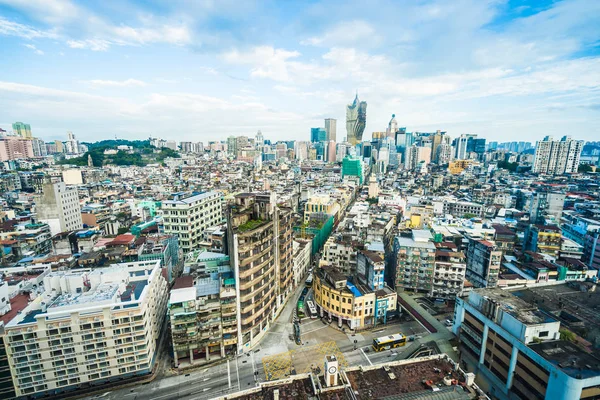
(72, 144)
(414, 262)
(87, 328)
(12, 148)
(340, 253)
(546, 207)
(260, 247)
(58, 206)
(202, 315)
(188, 216)
(302, 249)
(483, 263)
(22, 130)
(331, 129)
(516, 351)
(544, 239)
(319, 205)
(351, 303)
(553, 157)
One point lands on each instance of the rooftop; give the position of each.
(570, 358)
(511, 304)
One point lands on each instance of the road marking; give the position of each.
(364, 354)
(205, 389)
(228, 374)
(205, 379)
(314, 330)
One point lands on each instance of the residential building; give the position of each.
(58, 206)
(516, 351)
(72, 144)
(351, 303)
(322, 205)
(88, 328)
(546, 207)
(13, 148)
(39, 147)
(449, 273)
(463, 146)
(187, 216)
(260, 247)
(7, 388)
(356, 119)
(22, 130)
(302, 252)
(483, 263)
(202, 312)
(371, 268)
(414, 262)
(342, 254)
(554, 157)
(331, 129)
(545, 239)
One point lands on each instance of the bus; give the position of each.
(300, 309)
(388, 342)
(309, 280)
(312, 310)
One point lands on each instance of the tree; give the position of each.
(584, 168)
(567, 335)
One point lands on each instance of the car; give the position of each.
(448, 322)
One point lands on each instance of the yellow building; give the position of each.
(458, 166)
(353, 304)
(320, 204)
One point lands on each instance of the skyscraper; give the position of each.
(318, 135)
(22, 130)
(554, 157)
(356, 119)
(260, 140)
(392, 127)
(331, 128)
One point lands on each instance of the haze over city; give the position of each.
(203, 71)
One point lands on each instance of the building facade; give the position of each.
(483, 263)
(516, 351)
(188, 216)
(553, 157)
(331, 129)
(356, 119)
(58, 206)
(87, 328)
(260, 247)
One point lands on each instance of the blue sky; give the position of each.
(204, 70)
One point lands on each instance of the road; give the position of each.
(246, 370)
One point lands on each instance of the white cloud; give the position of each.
(125, 83)
(92, 44)
(10, 28)
(346, 33)
(267, 61)
(49, 11)
(35, 49)
(156, 34)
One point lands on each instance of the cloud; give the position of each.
(178, 35)
(91, 44)
(35, 49)
(49, 11)
(267, 61)
(125, 83)
(346, 33)
(10, 28)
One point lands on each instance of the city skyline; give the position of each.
(94, 71)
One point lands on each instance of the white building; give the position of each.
(72, 144)
(58, 206)
(302, 249)
(554, 157)
(88, 327)
(189, 217)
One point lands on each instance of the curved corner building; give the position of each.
(356, 118)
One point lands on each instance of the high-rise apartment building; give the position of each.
(483, 263)
(188, 216)
(13, 148)
(546, 206)
(39, 147)
(22, 130)
(88, 327)
(516, 351)
(415, 262)
(260, 247)
(59, 207)
(259, 139)
(356, 119)
(72, 144)
(464, 146)
(554, 157)
(331, 129)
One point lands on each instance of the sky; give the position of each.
(507, 70)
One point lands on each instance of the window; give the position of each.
(544, 334)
